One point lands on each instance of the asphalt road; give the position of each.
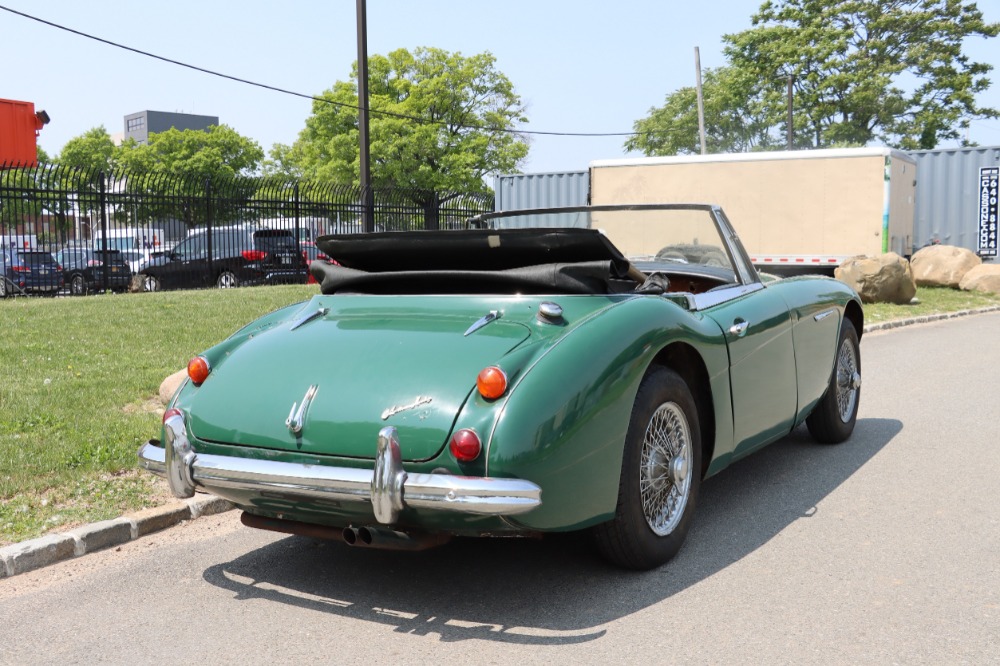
(880, 550)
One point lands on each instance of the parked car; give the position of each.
(84, 270)
(239, 256)
(543, 373)
(312, 253)
(29, 271)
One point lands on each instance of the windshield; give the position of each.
(679, 234)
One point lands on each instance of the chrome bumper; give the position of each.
(388, 487)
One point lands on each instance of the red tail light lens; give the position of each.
(198, 370)
(465, 445)
(21, 269)
(491, 382)
(254, 255)
(170, 413)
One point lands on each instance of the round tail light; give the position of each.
(491, 382)
(198, 370)
(465, 445)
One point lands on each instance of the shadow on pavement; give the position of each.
(551, 591)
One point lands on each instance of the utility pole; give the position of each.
(701, 100)
(791, 126)
(368, 213)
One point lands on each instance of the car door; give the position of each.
(186, 263)
(758, 332)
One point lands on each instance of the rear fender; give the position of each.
(564, 424)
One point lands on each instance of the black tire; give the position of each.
(665, 472)
(150, 282)
(227, 280)
(77, 285)
(832, 420)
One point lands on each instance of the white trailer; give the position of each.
(804, 209)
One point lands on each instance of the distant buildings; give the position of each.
(139, 125)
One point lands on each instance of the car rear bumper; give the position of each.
(387, 487)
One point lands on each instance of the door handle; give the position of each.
(738, 328)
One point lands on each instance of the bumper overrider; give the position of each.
(388, 487)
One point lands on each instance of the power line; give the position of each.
(293, 93)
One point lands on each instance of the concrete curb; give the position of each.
(37, 553)
(26, 556)
(898, 323)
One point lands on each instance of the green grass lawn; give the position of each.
(79, 380)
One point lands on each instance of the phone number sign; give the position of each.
(988, 193)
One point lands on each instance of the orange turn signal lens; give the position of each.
(491, 382)
(198, 370)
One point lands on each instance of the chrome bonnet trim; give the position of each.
(387, 487)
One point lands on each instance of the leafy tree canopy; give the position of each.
(886, 71)
(732, 119)
(219, 152)
(438, 121)
(93, 150)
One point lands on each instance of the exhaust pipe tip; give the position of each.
(351, 536)
(366, 536)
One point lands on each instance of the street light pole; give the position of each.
(368, 214)
(791, 126)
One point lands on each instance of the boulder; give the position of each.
(886, 278)
(985, 277)
(171, 384)
(942, 265)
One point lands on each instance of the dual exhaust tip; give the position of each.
(367, 536)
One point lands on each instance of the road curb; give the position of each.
(898, 323)
(34, 554)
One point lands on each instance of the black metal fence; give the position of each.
(60, 227)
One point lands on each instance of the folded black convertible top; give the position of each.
(470, 249)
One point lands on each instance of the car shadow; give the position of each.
(555, 590)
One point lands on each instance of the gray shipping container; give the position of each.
(541, 190)
(947, 206)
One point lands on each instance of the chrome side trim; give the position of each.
(716, 296)
(388, 485)
(823, 315)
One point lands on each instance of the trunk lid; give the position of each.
(375, 360)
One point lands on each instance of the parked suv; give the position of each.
(239, 256)
(28, 271)
(83, 270)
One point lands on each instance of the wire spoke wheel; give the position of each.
(665, 469)
(660, 478)
(848, 380)
(834, 416)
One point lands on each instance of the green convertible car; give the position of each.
(540, 371)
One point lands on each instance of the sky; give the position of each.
(583, 66)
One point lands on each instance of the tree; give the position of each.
(887, 71)
(92, 151)
(217, 152)
(732, 121)
(439, 121)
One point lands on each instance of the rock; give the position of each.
(886, 278)
(942, 265)
(984, 277)
(170, 385)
